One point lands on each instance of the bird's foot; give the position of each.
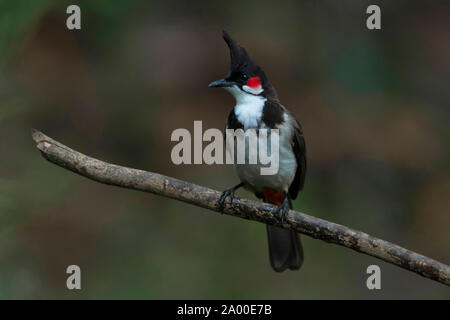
(228, 194)
(283, 210)
(223, 197)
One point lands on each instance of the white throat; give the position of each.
(249, 107)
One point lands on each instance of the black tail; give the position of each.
(285, 248)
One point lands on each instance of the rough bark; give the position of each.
(204, 197)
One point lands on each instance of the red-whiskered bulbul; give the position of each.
(257, 106)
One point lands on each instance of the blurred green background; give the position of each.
(374, 106)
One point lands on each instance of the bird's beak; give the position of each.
(221, 83)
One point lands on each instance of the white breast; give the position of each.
(248, 111)
(251, 173)
(249, 107)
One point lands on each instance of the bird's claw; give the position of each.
(283, 211)
(223, 197)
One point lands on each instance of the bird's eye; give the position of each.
(244, 76)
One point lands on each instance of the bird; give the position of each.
(258, 106)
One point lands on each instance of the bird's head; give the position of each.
(245, 77)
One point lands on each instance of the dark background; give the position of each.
(374, 106)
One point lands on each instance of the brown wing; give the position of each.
(299, 148)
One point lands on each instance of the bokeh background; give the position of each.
(374, 106)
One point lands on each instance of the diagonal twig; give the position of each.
(204, 197)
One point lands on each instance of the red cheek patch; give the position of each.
(254, 82)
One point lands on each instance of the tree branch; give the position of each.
(207, 198)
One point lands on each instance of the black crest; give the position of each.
(241, 63)
(240, 60)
